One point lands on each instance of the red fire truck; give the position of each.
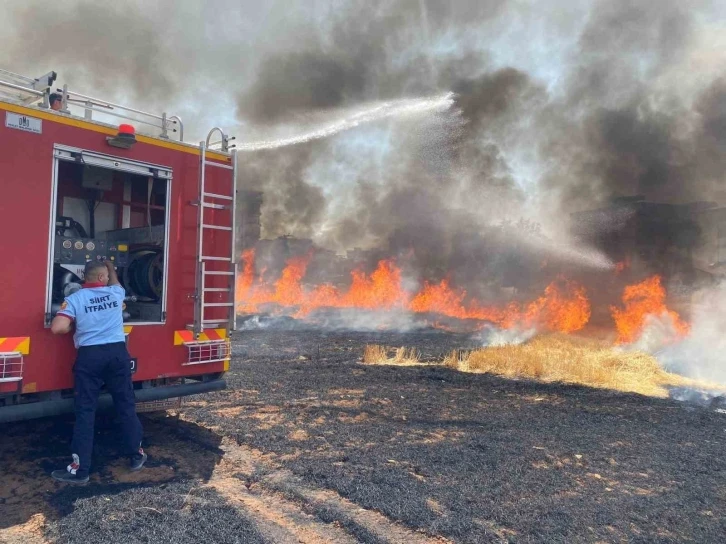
(78, 184)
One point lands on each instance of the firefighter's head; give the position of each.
(96, 272)
(56, 101)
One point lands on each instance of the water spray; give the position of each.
(360, 115)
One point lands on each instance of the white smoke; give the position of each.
(354, 319)
(701, 355)
(338, 319)
(493, 337)
(659, 333)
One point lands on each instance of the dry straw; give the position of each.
(378, 355)
(556, 358)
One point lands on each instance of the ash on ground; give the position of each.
(307, 443)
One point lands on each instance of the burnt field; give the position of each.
(309, 445)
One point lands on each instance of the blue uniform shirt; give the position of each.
(98, 313)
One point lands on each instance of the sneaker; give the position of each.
(138, 460)
(62, 475)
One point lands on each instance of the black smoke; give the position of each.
(559, 107)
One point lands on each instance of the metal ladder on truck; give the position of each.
(206, 272)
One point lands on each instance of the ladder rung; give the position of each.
(215, 227)
(218, 165)
(215, 206)
(206, 258)
(217, 273)
(215, 195)
(216, 289)
(217, 304)
(207, 322)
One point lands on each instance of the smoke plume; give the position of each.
(700, 354)
(559, 106)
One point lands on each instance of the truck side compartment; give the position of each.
(70, 195)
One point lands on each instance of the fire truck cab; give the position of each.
(76, 186)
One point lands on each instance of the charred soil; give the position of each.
(309, 445)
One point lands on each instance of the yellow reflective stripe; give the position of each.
(183, 336)
(79, 123)
(20, 344)
(180, 337)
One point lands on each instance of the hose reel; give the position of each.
(144, 275)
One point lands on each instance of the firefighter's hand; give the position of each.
(112, 276)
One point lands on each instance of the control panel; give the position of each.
(81, 250)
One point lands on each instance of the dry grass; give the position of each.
(556, 358)
(373, 354)
(561, 358)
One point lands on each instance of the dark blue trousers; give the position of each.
(108, 364)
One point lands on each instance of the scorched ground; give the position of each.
(309, 445)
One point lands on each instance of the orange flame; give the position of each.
(245, 283)
(641, 300)
(381, 290)
(288, 291)
(251, 293)
(564, 306)
(440, 299)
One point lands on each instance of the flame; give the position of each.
(245, 282)
(641, 300)
(251, 293)
(440, 299)
(288, 291)
(381, 290)
(564, 307)
(323, 296)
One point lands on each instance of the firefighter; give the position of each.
(56, 101)
(102, 358)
